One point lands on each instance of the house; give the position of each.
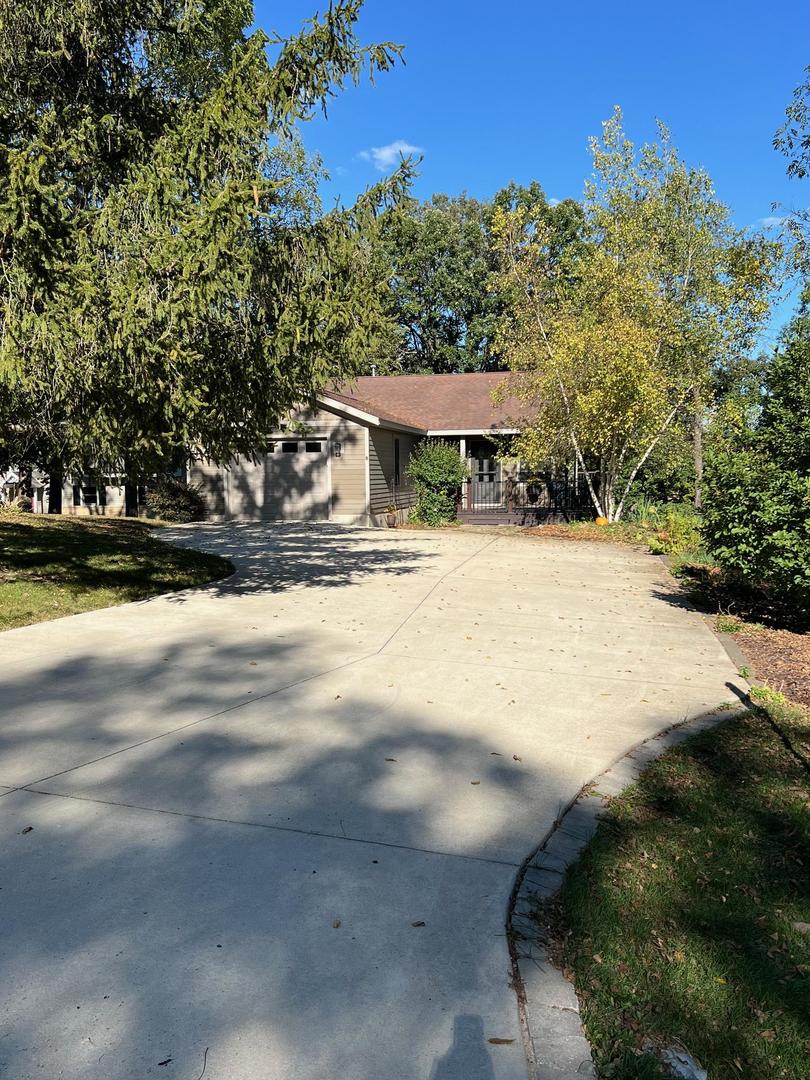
(346, 461)
(92, 495)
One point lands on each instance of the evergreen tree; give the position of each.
(785, 424)
(168, 280)
(757, 518)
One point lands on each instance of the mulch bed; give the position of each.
(780, 658)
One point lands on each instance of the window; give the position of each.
(289, 448)
(396, 462)
(89, 492)
(313, 447)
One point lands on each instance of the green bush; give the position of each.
(172, 499)
(678, 531)
(644, 511)
(20, 504)
(757, 522)
(436, 472)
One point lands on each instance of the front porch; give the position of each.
(516, 501)
(496, 494)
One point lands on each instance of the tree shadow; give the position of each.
(273, 558)
(235, 888)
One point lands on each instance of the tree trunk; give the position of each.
(697, 445)
(55, 478)
(130, 499)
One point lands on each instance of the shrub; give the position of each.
(172, 499)
(678, 532)
(757, 523)
(644, 511)
(20, 504)
(436, 472)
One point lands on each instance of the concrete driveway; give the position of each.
(275, 822)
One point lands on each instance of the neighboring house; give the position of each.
(346, 462)
(97, 496)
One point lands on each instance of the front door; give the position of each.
(485, 471)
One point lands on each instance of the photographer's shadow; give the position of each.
(468, 1057)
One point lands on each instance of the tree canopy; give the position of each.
(793, 140)
(613, 339)
(169, 281)
(445, 296)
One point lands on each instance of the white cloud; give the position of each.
(770, 222)
(386, 157)
(554, 202)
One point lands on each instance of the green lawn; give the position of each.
(679, 924)
(54, 566)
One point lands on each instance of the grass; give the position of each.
(685, 922)
(55, 566)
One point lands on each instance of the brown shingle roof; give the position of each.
(434, 402)
(356, 402)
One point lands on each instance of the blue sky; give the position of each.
(498, 92)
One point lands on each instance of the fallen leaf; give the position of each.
(28, 828)
(501, 1042)
(516, 758)
(336, 924)
(475, 782)
(390, 759)
(769, 1034)
(253, 663)
(166, 1062)
(418, 923)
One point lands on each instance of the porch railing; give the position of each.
(531, 497)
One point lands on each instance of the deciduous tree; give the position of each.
(446, 298)
(614, 339)
(793, 140)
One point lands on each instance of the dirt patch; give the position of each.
(780, 658)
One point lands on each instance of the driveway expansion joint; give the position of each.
(270, 693)
(542, 990)
(30, 789)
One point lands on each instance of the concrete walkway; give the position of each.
(275, 822)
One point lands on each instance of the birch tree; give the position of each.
(616, 340)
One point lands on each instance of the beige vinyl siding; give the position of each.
(381, 467)
(349, 504)
(114, 500)
(349, 473)
(210, 479)
(233, 491)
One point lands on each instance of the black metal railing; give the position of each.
(526, 498)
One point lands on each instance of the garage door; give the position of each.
(291, 483)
